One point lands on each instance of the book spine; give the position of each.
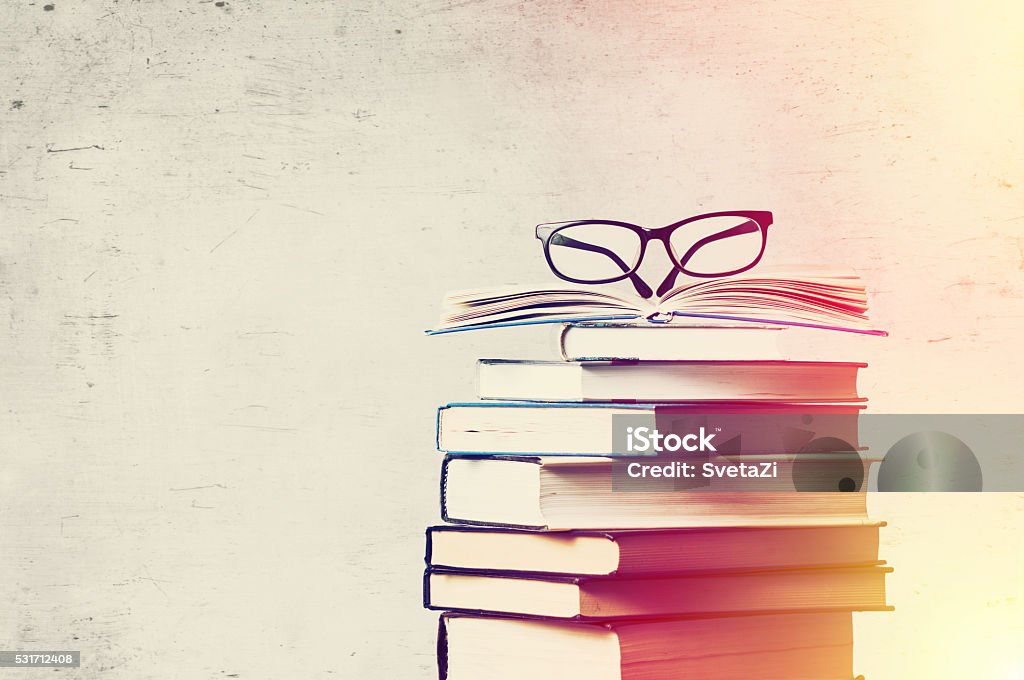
(444, 490)
(426, 589)
(561, 341)
(437, 427)
(442, 648)
(428, 554)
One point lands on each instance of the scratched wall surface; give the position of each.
(226, 223)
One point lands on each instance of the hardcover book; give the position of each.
(802, 646)
(579, 493)
(603, 598)
(651, 551)
(676, 341)
(552, 429)
(669, 381)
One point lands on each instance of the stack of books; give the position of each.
(550, 566)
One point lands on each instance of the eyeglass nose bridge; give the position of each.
(664, 234)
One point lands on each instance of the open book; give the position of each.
(797, 297)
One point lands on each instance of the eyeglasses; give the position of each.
(603, 251)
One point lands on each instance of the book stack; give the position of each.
(552, 566)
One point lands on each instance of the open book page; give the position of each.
(807, 296)
(803, 296)
(536, 304)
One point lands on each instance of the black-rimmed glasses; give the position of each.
(603, 251)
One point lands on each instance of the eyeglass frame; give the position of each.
(762, 218)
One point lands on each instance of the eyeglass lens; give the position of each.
(712, 246)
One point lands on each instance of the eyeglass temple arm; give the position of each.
(670, 280)
(642, 289)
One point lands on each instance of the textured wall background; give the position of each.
(226, 223)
